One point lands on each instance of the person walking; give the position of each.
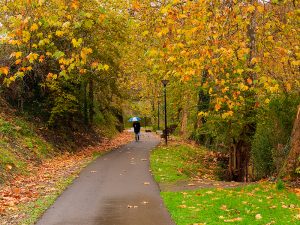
(137, 129)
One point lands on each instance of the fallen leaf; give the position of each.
(272, 222)
(233, 220)
(17, 191)
(258, 217)
(224, 207)
(9, 167)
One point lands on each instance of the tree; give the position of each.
(60, 49)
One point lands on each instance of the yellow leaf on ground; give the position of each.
(258, 217)
(233, 220)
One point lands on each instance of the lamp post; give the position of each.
(165, 82)
(158, 119)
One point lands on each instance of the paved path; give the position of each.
(116, 189)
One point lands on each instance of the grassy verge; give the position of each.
(254, 204)
(176, 162)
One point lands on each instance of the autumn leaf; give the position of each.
(136, 5)
(9, 167)
(77, 43)
(32, 57)
(18, 54)
(258, 217)
(75, 4)
(59, 33)
(4, 70)
(217, 107)
(34, 27)
(233, 220)
(249, 81)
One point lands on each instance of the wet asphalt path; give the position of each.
(116, 189)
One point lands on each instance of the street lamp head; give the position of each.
(165, 82)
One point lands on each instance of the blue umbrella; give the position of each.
(134, 119)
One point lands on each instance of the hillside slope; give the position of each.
(26, 141)
(20, 143)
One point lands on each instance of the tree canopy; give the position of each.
(230, 63)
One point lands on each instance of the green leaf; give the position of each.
(58, 54)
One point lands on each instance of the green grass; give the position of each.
(174, 163)
(259, 204)
(97, 154)
(6, 128)
(236, 206)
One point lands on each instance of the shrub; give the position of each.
(271, 142)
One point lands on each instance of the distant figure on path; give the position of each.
(137, 129)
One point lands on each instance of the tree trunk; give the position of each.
(85, 104)
(243, 147)
(184, 121)
(91, 101)
(239, 161)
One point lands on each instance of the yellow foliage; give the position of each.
(59, 33)
(26, 36)
(240, 71)
(227, 114)
(76, 43)
(172, 59)
(32, 56)
(18, 54)
(34, 27)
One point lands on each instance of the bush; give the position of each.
(271, 142)
(280, 185)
